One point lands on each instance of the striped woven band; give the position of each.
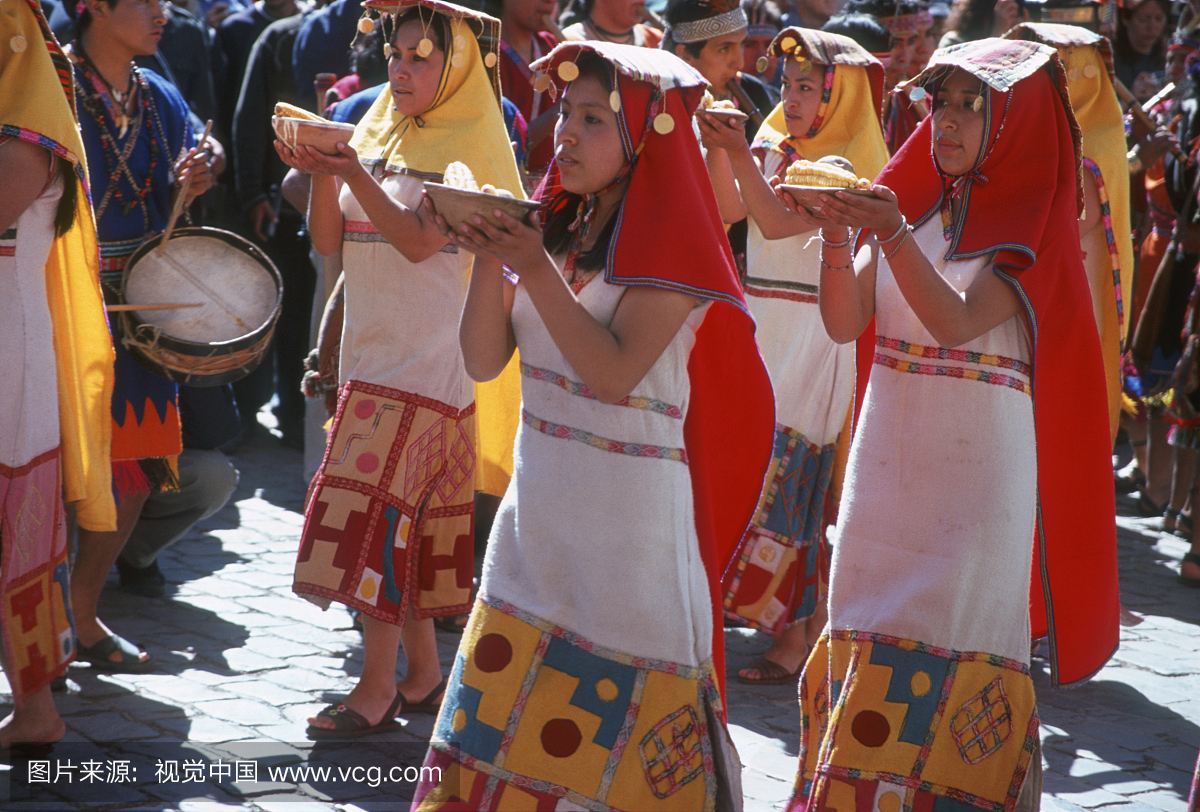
(764, 30)
(709, 27)
(907, 23)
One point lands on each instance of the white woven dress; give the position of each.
(776, 576)
(921, 685)
(586, 671)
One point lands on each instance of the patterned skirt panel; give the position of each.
(390, 518)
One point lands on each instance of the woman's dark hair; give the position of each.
(972, 19)
(1123, 49)
(84, 19)
(865, 29)
(367, 59)
(883, 9)
(64, 218)
(563, 208)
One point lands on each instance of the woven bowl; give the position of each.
(459, 206)
(323, 136)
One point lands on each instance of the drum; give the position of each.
(230, 293)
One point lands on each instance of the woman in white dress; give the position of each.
(590, 669)
(390, 519)
(56, 369)
(984, 423)
(832, 90)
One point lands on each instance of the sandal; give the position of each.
(1145, 506)
(769, 673)
(100, 656)
(1129, 480)
(350, 724)
(432, 702)
(1190, 558)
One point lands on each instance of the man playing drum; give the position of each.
(137, 138)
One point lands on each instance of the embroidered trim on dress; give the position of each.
(966, 356)
(702, 672)
(779, 289)
(582, 390)
(603, 443)
(1114, 256)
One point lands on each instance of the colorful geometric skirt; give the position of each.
(537, 717)
(782, 567)
(390, 518)
(889, 724)
(35, 614)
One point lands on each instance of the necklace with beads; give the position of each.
(112, 128)
(611, 36)
(116, 101)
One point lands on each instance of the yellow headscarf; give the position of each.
(465, 122)
(1087, 58)
(37, 103)
(849, 124)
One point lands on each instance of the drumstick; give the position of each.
(1139, 112)
(553, 28)
(217, 299)
(734, 87)
(652, 18)
(124, 308)
(183, 190)
(1167, 90)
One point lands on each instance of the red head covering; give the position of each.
(1029, 219)
(669, 235)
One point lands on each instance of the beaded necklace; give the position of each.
(94, 94)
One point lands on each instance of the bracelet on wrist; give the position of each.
(893, 252)
(849, 236)
(903, 225)
(845, 267)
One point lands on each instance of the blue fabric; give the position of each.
(323, 45)
(351, 110)
(121, 231)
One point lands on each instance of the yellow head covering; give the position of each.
(37, 104)
(849, 119)
(465, 122)
(1087, 58)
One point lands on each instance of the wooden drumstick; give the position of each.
(1138, 112)
(552, 27)
(183, 190)
(735, 88)
(652, 18)
(125, 308)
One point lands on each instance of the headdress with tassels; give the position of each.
(465, 122)
(847, 120)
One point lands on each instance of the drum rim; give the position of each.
(133, 324)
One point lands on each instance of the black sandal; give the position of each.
(1190, 558)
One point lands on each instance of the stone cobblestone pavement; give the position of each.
(242, 662)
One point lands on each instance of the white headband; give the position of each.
(709, 27)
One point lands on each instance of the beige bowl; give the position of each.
(322, 136)
(459, 206)
(810, 196)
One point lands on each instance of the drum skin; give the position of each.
(239, 291)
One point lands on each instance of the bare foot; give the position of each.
(37, 722)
